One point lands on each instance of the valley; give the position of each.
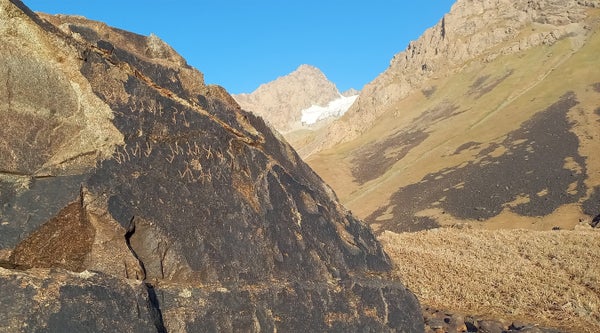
(482, 164)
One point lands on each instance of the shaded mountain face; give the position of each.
(135, 197)
(489, 119)
(284, 102)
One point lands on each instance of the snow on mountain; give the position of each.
(281, 101)
(335, 108)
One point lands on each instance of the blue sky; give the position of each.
(242, 44)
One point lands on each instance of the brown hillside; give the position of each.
(507, 137)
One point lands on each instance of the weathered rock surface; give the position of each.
(437, 321)
(135, 197)
(55, 300)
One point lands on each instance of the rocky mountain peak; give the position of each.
(308, 70)
(281, 101)
(350, 92)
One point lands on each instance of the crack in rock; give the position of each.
(153, 303)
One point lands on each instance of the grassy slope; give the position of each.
(551, 278)
(538, 77)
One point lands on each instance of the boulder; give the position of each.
(136, 198)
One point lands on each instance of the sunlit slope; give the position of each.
(511, 142)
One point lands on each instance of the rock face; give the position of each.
(489, 119)
(281, 101)
(134, 197)
(75, 302)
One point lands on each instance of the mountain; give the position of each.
(136, 198)
(297, 100)
(489, 119)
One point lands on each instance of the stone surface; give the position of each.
(192, 213)
(55, 300)
(448, 322)
(490, 326)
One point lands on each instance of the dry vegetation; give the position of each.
(548, 277)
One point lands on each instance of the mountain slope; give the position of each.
(489, 119)
(136, 198)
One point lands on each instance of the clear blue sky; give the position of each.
(242, 44)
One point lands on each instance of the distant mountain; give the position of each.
(298, 100)
(490, 119)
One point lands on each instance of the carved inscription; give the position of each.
(163, 133)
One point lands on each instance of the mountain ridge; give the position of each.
(458, 38)
(475, 154)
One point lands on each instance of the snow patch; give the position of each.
(335, 108)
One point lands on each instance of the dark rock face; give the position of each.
(192, 213)
(592, 206)
(62, 301)
(323, 308)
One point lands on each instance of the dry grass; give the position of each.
(551, 278)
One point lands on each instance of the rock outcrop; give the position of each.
(444, 321)
(281, 101)
(136, 198)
